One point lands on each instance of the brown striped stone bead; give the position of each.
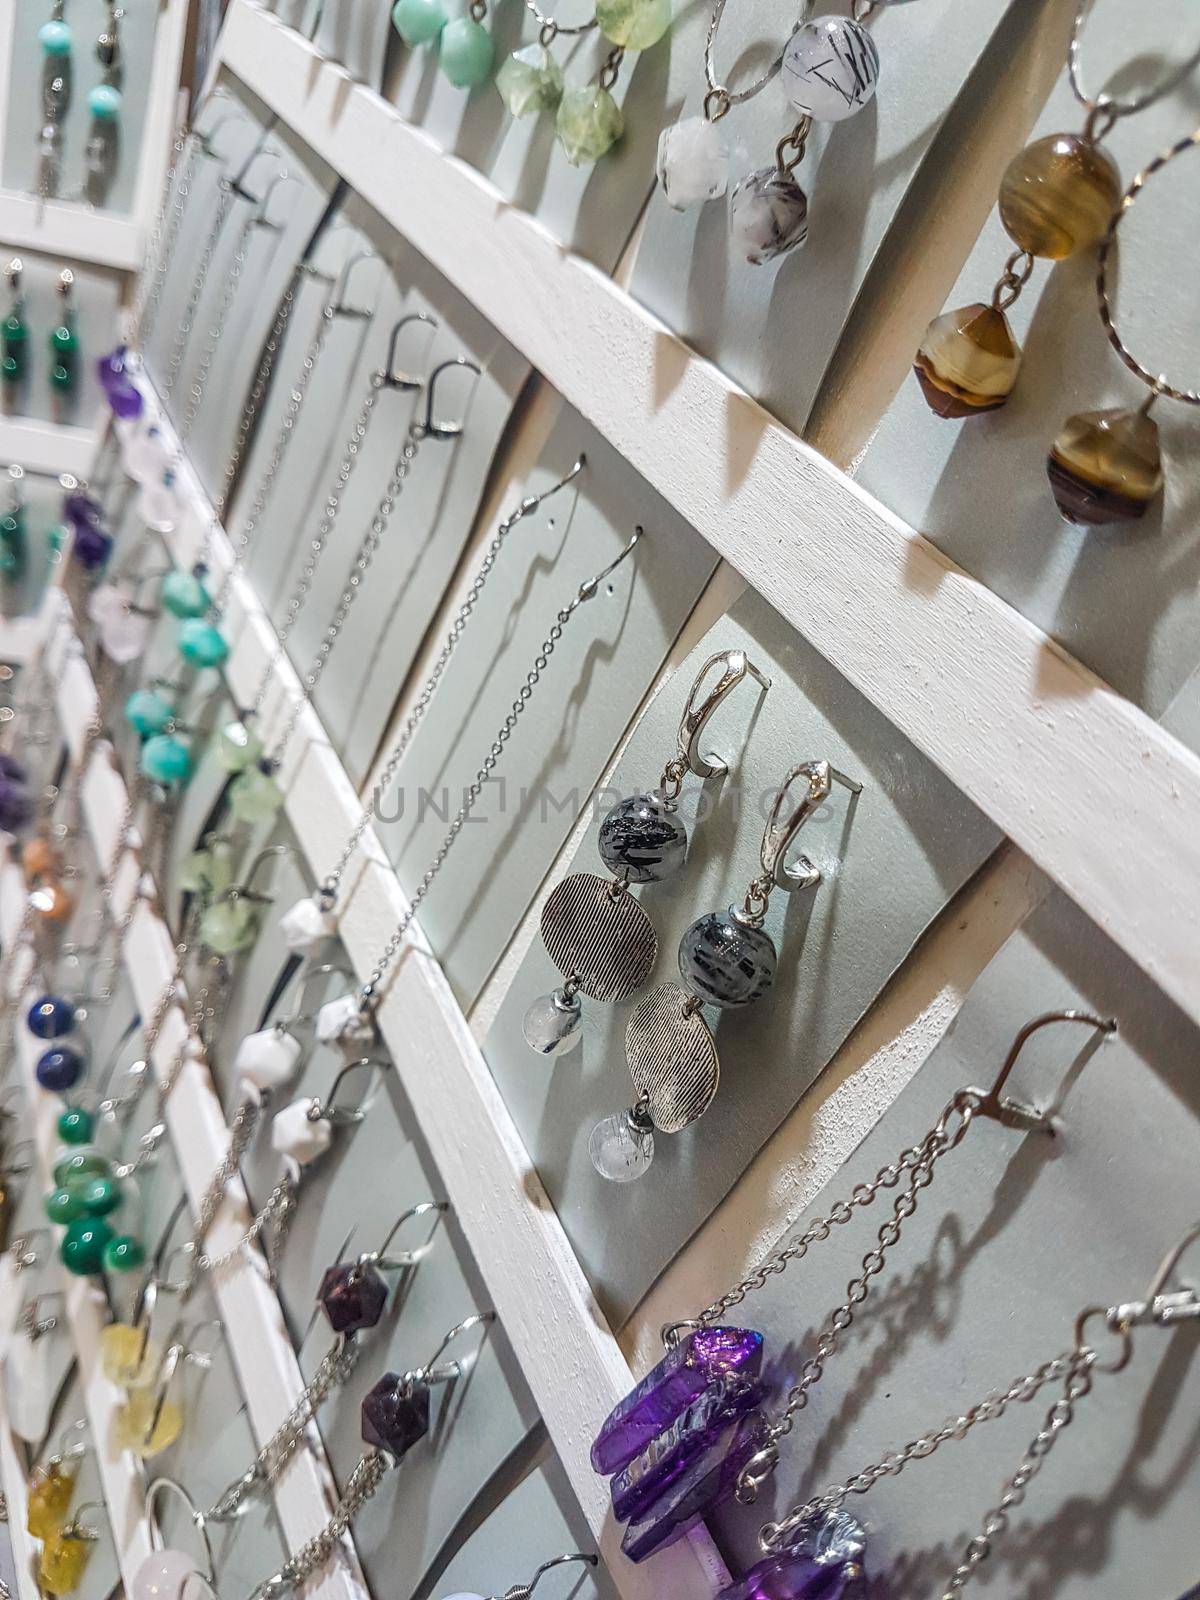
(968, 361)
(1058, 196)
(1105, 466)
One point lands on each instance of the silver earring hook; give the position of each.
(403, 380)
(195, 1516)
(407, 1258)
(237, 186)
(995, 1103)
(324, 1110)
(735, 666)
(261, 219)
(522, 1591)
(342, 286)
(76, 1528)
(783, 825)
(591, 587)
(209, 134)
(244, 890)
(325, 970)
(431, 1372)
(532, 501)
(1161, 1307)
(80, 1425)
(429, 428)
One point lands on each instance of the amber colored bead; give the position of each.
(1058, 196)
(136, 1428)
(127, 1357)
(64, 1558)
(49, 1499)
(39, 858)
(968, 361)
(1105, 466)
(51, 900)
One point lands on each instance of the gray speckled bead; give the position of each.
(726, 962)
(641, 840)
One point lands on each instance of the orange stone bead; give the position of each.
(51, 900)
(40, 858)
(1058, 196)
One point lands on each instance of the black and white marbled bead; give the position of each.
(641, 840)
(830, 68)
(726, 962)
(768, 215)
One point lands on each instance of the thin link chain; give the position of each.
(204, 366)
(335, 1367)
(1077, 1384)
(250, 410)
(989, 1409)
(316, 548)
(360, 1486)
(176, 189)
(241, 1131)
(1106, 104)
(362, 561)
(183, 332)
(720, 97)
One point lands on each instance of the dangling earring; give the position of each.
(232, 921)
(14, 332)
(14, 542)
(353, 1296)
(166, 1570)
(594, 931)
(65, 1554)
(1106, 466)
(689, 1435)
(52, 1484)
(726, 960)
(64, 341)
(821, 1524)
(465, 49)
(522, 1591)
(108, 45)
(55, 40)
(395, 1417)
(150, 1420)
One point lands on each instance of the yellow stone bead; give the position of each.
(64, 1558)
(136, 1428)
(968, 361)
(1105, 466)
(1058, 196)
(127, 1357)
(49, 1499)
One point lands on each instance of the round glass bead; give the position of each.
(238, 747)
(100, 1196)
(553, 1024)
(75, 1126)
(124, 1253)
(830, 68)
(60, 1069)
(589, 123)
(164, 1575)
(465, 52)
(641, 840)
(229, 926)
(63, 1206)
(255, 796)
(147, 712)
(104, 102)
(1105, 466)
(725, 961)
(77, 1167)
(165, 759)
(91, 547)
(51, 901)
(200, 644)
(633, 24)
(50, 1017)
(418, 21)
(968, 361)
(127, 1357)
(55, 39)
(768, 215)
(82, 1247)
(530, 80)
(184, 595)
(693, 162)
(620, 1150)
(1058, 196)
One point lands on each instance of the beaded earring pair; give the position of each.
(14, 333)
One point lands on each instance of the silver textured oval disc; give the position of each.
(672, 1059)
(607, 941)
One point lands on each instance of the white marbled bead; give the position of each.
(830, 68)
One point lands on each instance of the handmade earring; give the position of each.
(166, 1571)
(691, 1433)
(108, 45)
(52, 1484)
(312, 919)
(1106, 466)
(594, 931)
(395, 1417)
(151, 1417)
(268, 1059)
(817, 1549)
(66, 1553)
(14, 331)
(14, 542)
(64, 340)
(54, 37)
(129, 1356)
(465, 49)
(1057, 198)
(352, 1296)
(725, 959)
(232, 921)
(522, 1591)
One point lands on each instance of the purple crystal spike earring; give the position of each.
(522, 1591)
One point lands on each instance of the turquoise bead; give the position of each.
(104, 103)
(55, 39)
(418, 21)
(183, 595)
(201, 644)
(466, 52)
(147, 713)
(166, 759)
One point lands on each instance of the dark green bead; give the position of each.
(83, 1246)
(75, 1126)
(124, 1253)
(12, 368)
(13, 331)
(100, 1196)
(61, 377)
(64, 340)
(63, 1207)
(81, 1164)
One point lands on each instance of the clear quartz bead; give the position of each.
(693, 162)
(146, 459)
(157, 505)
(621, 1148)
(553, 1024)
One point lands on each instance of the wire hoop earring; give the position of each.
(168, 1569)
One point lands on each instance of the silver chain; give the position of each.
(362, 1483)
(176, 189)
(204, 366)
(183, 332)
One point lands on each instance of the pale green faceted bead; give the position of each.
(465, 52)
(633, 24)
(255, 796)
(207, 872)
(238, 747)
(530, 80)
(418, 21)
(589, 124)
(229, 926)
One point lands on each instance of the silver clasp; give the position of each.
(783, 825)
(735, 667)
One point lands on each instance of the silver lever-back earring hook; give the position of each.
(324, 1110)
(406, 1258)
(327, 969)
(735, 666)
(591, 586)
(1012, 1113)
(390, 378)
(522, 1591)
(261, 219)
(430, 428)
(342, 287)
(783, 825)
(195, 1516)
(431, 1373)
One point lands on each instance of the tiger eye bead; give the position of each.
(51, 901)
(1105, 466)
(1058, 196)
(39, 857)
(968, 361)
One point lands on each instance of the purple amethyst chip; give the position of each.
(822, 1562)
(91, 546)
(677, 1382)
(395, 1414)
(708, 1481)
(16, 805)
(637, 1487)
(352, 1296)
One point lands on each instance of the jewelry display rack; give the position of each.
(1091, 790)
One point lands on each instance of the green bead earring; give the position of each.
(13, 543)
(14, 334)
(64, 341)
(184, 594)
(465, 49)
(200, 644)
(419, 21)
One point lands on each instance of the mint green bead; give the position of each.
(238, 747)
(75, 1126)
(166, 759)
(55, 39)
(229, 926)
(99, 1196)
(104, 102)
(147, 712)
(465, 53)
(63, 1206)
(201, 644)
(255, 796)
(418, 21)
(183, 595)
